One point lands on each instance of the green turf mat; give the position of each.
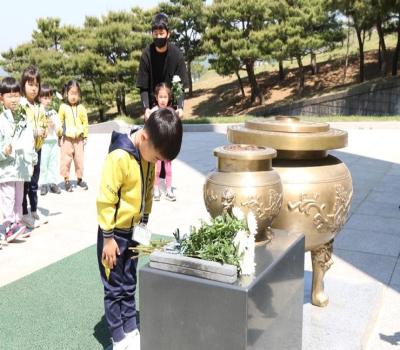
(58, 307)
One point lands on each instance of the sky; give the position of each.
(18, 18)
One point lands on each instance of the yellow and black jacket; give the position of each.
(74, 121)
(36, 117)
(126, 185)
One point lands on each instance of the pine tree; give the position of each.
(233, 37)
(309, 27)
(188, 21)
(362, 15)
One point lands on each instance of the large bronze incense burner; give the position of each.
(317, 187)
(245, 179)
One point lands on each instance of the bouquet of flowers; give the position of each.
(177, 89)
(20, 116)
(228, 239)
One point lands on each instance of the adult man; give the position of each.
(160, 61)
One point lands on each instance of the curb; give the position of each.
(118, 125)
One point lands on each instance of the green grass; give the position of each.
(243, 118)
(59, 307)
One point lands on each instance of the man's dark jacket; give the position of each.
(174, 65)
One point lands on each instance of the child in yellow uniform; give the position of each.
(74, 134)
(124, 201)
(36, 117)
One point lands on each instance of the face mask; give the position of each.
(160, 42)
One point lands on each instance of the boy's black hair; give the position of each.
(164, 128)
(160, 21)
(46, 91)
(9, 85)
(30, 74)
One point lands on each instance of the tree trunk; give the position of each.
(189, 72)
(379, 56)
(255, 89)
(346, 65)
(240, 83)
(382, 47)
(118, 102)
(361, 74)
(301, 75)
(314, 65)
(123, 102)
(102, 114)
(397, 50)
(281, 71)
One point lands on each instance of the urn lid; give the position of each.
(286, 124)
(244, 152)
(288, 134)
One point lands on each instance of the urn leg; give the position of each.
(321, 262)
(264, 237)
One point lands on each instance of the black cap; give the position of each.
(160, 21)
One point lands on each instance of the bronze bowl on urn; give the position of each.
(245, 179)
(317, 187)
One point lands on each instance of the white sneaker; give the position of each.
(156, 193)
(41, 220)
(120, 345)
(29, 221)
(170, 196)
(133, 340)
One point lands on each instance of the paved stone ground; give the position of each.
(364, 282)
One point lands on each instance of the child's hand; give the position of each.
(59, 141)
(179, 112)
(7, 150)
(147, 113)
(110, 252)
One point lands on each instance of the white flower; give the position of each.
(252, 223)
(238, 213)
(23, 101)
(58, 95)
(239, 240)
(176, 79)
(245, 244)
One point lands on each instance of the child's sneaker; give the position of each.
(19, 228)
(133, 340)
(68, 186)
(3, 241)
(29, 221)
(156, 194)
(120, 345)
(55, 189)
(26, 234)
(82, 184)
(13, 232)
(43, 190)
(170, 196)
(40, 219)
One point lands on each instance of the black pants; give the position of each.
(119, 287)
(31, 188)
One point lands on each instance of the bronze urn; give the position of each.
(317, 187)
(244, 178)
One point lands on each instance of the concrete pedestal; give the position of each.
(264, 311)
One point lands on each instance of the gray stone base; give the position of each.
(265, 311)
